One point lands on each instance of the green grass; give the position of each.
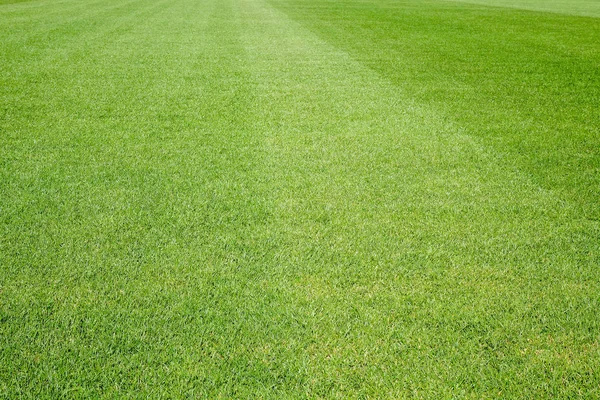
(578, 7)
(299, 198)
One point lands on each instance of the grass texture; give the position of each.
(299, 199)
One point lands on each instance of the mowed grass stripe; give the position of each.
(208, 199)
(589, 8)
(525, 82)
(385, 210)
(126, 244)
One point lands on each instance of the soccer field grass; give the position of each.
(299, 198)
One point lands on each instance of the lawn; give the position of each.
(299, 199)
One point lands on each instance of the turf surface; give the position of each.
(299, 198)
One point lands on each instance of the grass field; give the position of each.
(299, 198)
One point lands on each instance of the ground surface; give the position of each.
(299, 198)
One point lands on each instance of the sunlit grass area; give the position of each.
(299, 198)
